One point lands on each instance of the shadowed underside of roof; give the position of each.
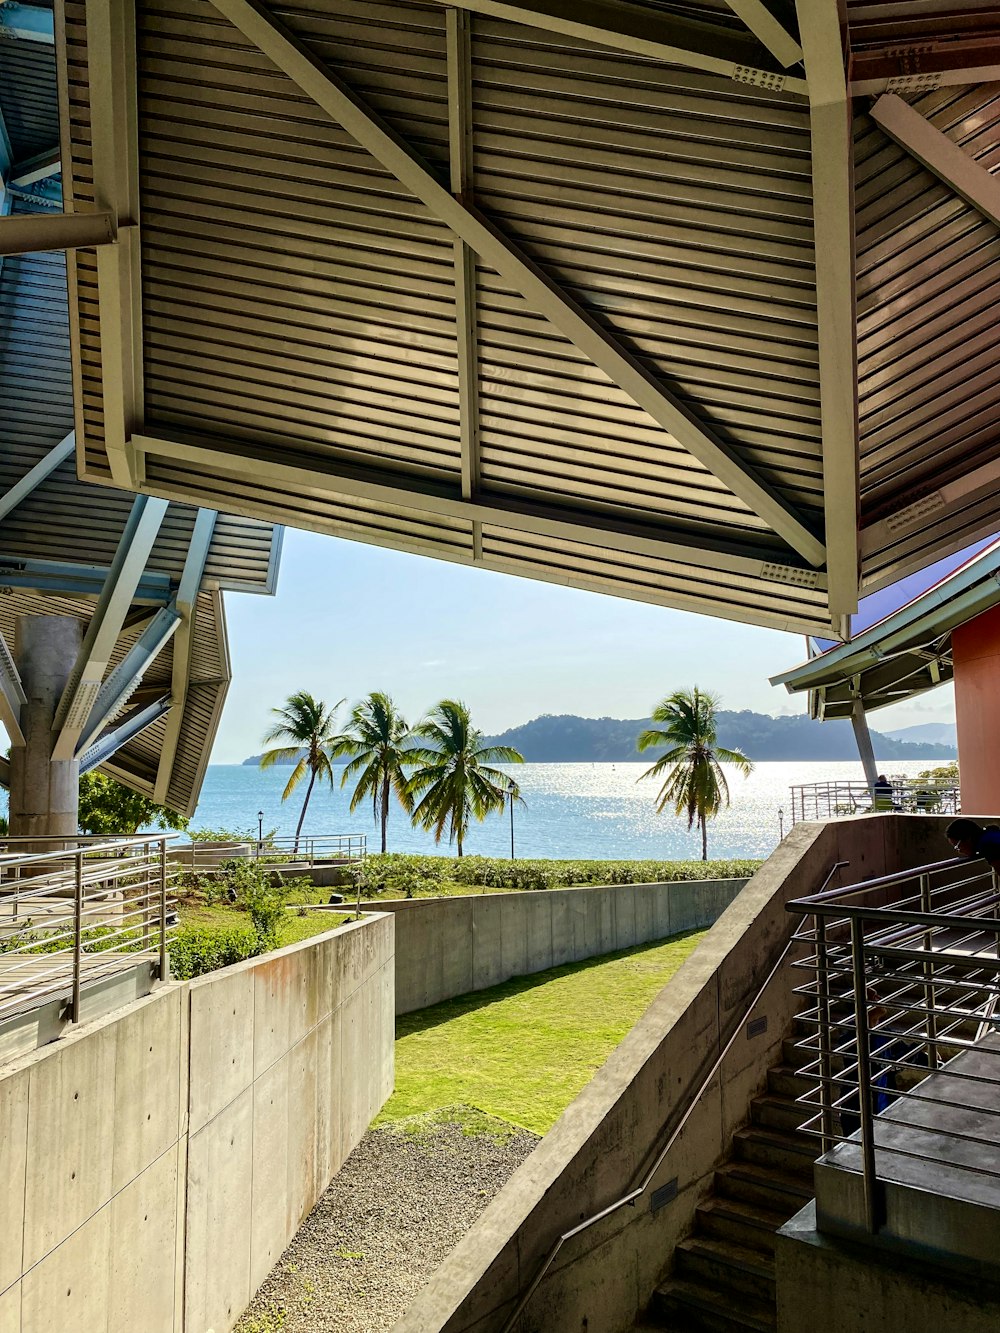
(619, 298)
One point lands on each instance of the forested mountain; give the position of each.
(567, 739)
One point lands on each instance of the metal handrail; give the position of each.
(675, 1134)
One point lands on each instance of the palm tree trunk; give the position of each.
(460, 844)
(298, 831)
(385, 808)
(704, 838)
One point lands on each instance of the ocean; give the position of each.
(598, 811)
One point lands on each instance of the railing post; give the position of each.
(77, 934)
(928, 969)
(827, 1090)
(863, 1037)
(163, 909)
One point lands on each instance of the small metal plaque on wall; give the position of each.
(757, 1027)
(664, 1195)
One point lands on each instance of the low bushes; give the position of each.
(400, 875)
(195, 950)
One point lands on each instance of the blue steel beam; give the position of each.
(78, 580)
(26, 23)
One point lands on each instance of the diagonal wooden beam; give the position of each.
(185, 603)
(766, 28)
(833, 224)
(113, 606)
(342, 104)
(34, 478)
(672, 38)
(934, 150)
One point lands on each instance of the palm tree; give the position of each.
(306, 725)
(455, 779)
(695, 784)
(377, 736)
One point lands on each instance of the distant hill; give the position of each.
(933, 733)
(567, 739)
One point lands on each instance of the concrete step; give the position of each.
(685, 1305)
(746, 1224)
(794, 1153)
(723, 1265)
(781, 1113)
(785, 1081)
(780, 1191)
(793, 1056)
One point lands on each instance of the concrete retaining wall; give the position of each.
(450, 946)
(609, 1136)
(154, 1164)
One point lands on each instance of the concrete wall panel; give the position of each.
(13, 1161)
(10, 1309)
(141, 1292)
(219, 1198)
(148, 1110)
(222, 1049)
(269, 1194)
(70, 1144)
(69, 1288)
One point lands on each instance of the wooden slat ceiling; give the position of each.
(319, 346)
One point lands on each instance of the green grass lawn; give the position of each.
(292, 928)
(522, 1051)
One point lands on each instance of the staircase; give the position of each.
(723, 1275)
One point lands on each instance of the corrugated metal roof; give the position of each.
(32, 116)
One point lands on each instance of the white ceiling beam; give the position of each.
(37, 168)
(30, 233)
(343, 105)
(458, 30)
(113, 606)
(833, 225)
(657, 35)
(34, 478)
(108, 745)
(273, 466)
(125, 679)
(11, 694)
(186, 604)
(934, 150)
(111, 57)
(933, 62)
(768, 31)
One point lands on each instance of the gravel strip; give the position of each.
(398, 1206)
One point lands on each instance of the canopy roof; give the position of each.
(903, 654)
(144, 577)
(641, 297)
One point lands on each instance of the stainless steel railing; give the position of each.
(76, 910)
(900, 1029)
(827, 800)
(273, 851)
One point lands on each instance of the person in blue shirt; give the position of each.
(970, 839)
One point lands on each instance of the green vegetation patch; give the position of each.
(523, 1050)
(473, 1122)
(396, 875)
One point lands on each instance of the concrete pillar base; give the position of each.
(44, 794)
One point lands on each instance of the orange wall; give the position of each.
(976, 654)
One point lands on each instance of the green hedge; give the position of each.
(195, 950)
(395, 873)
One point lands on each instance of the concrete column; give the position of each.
(44, 794)
(975, 649)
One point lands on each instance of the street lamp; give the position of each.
(781, 824)
(510, 795)
(260, 830)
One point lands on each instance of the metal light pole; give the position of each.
(510, 795)
(781, 824)
(260, 831)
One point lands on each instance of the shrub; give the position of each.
(195, 950)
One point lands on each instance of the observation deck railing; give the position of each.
(827, 800)
(903, 1029)
(76, 910)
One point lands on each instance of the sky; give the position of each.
(348, 619)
